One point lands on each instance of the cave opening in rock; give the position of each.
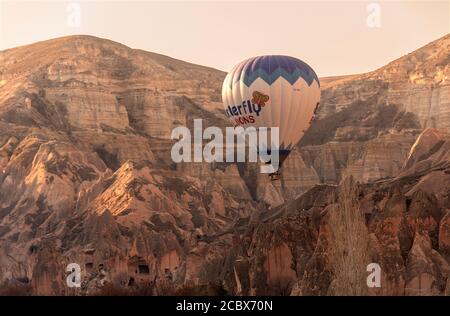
(143, 269)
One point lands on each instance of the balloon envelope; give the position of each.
(272, 91)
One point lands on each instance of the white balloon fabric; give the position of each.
(273, 91)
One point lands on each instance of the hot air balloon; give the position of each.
(273, 91)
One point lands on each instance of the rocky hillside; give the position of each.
(308, 245)
(86, 177)
(369, 121)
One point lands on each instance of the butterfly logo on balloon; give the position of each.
(260, 98)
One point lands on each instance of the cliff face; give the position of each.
(86, 176)
(368, 122)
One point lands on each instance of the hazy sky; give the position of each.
(334, 37)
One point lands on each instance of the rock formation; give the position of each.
(86, 177)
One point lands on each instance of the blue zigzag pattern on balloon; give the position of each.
(270, 68)
(279, 72)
